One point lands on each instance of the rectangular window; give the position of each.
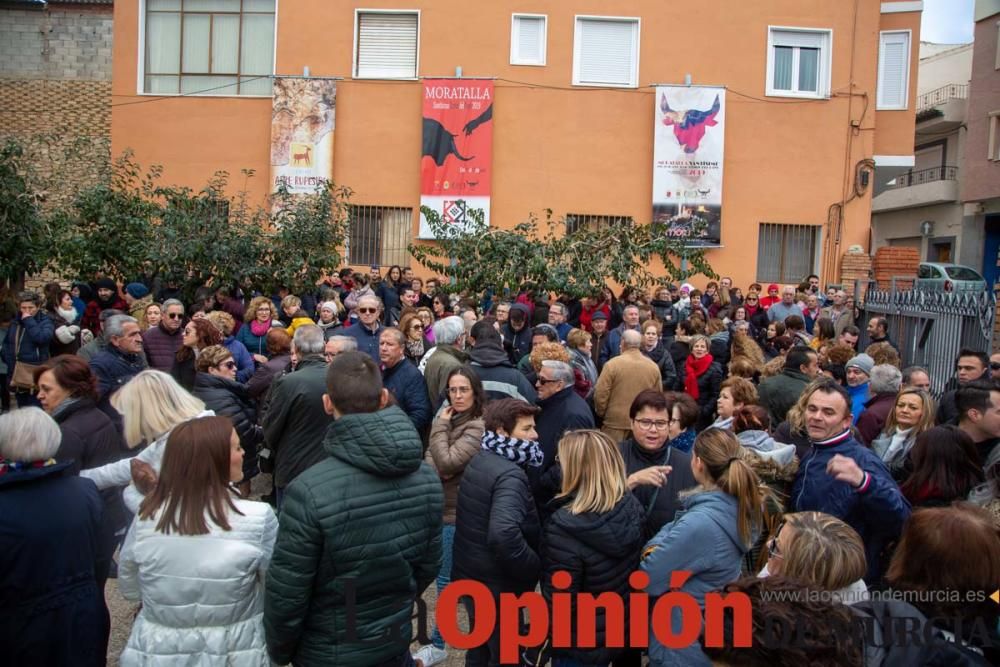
(798, 62)
(379, 235)
(994, 147)
(527, 39)
(578, 221)
(893, 70)
(787, 253)
(386, 45)
(209, 47)
(606, 52)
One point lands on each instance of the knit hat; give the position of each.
(136, 290)
(329, 305)
(106, 283)
(599, 315)
(862, 362)
(687, 287)
(773, 288)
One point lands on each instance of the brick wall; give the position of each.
(854, 266)
(57, 43)
(895, 261)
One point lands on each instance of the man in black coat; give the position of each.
(122, 359)
(403, 380)
(489, 361)
(296, 422)
(562, 410)
(517, 333)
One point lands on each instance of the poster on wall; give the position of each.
(688, 149)
(302, 121)
(456, 165)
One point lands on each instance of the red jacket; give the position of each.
(587, 314)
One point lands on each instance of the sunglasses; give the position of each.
(994, 366)
(228, 364)
(367, 311)
(542, 380)
(174, 316)
(417, 327)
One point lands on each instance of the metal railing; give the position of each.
(932, 98)
(921, 176)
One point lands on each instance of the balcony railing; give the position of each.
(933, 98)
(923, 176)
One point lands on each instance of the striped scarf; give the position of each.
(16, 466)
(521, 452)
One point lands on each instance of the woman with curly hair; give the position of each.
(413, 330)
(259, 317)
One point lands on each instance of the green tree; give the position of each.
(27, 236)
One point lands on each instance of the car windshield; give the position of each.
(962, 273)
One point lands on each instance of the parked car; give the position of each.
(940, 277)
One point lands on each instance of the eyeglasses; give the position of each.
(228, 364)
(649, 424)
(459, 390)
(542, 380)
(772, 544)
(367, 311)
(174, 316)
(417, 327)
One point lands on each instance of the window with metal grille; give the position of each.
(787, 253)
(210, 47)
(386, 44)
(578, 221)
(379, 235)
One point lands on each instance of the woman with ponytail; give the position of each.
(708, 540)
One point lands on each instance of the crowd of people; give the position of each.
(415, 437)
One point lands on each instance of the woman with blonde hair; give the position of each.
(426, 316)
(820, 551)
(912, 415)
(192, 529)
(291, 308)
(151, 405)
(595, 534)
(723, 515)
(259, 318)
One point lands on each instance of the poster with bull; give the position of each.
(456, 165)
(688, 149)
(302, 121)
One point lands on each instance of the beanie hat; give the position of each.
(329, 305)
(106, 283)
(862, 362)
(136, 290)
(687, 287)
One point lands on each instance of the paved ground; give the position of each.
(123, 611)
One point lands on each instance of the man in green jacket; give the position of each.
(359, 534)
(780, 392)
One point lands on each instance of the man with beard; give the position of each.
(107, 298)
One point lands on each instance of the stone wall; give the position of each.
(61, 42)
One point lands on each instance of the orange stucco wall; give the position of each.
(567, 148)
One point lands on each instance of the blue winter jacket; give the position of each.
(253, 343)
(35, 332)
(877, 510)
(244, 362)
(703, 539)
(859, 396)
(407, 386)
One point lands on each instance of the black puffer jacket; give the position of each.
(228, 398)
(599, 551)
(496, 526)
(709, 385)
(660, 503)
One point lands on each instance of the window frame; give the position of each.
(358, 11)
(515, 32)
(825, 74)
(141, 58)
(993, 145)
(372, 243)
(879, 104)
(782, 277)
(636, 22)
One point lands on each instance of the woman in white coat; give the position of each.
(151, 405)
(196, 557)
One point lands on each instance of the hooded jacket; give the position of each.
(859, 396)
(202, 595)
(517, 343)
(877, 510)
(705, 541)
(599, 551)
(360, 540)
(499, 377)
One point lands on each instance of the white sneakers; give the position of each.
(429, 655)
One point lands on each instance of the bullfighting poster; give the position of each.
(302, 121)
(688, 148)
(456, 166)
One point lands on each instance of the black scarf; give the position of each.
(521, 452)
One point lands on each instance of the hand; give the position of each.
(652, 476)
(447, 412)
(143, 476)
(844, 469)
(260, 359)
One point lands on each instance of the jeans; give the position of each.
(444, 574)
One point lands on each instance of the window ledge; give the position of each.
(605, 85)
(796, 96)
(251, 97)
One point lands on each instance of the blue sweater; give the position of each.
(859, 396)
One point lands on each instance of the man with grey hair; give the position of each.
(613, 344)
(838, 312)
(403, 380)
(786, 307)
(884, 385)
(162, 341)
(450, 335)
(122, 359)
(562, 410)
(338, 345)
(620, 382)
(96, 344)
(295, 422)
(368, 329)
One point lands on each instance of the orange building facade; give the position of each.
(814, 89)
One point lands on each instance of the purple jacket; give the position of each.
(161, 347)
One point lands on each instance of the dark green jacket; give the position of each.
(359, 540)
(779, 393)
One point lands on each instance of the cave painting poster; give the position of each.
(456, 166)
(302, 121)
(688, 148)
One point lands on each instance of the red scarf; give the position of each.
(695, 368)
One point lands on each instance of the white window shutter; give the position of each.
(527, 40)
(893, 70)
(387, 46)
(607, 52)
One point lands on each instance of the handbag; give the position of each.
(23, 377)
